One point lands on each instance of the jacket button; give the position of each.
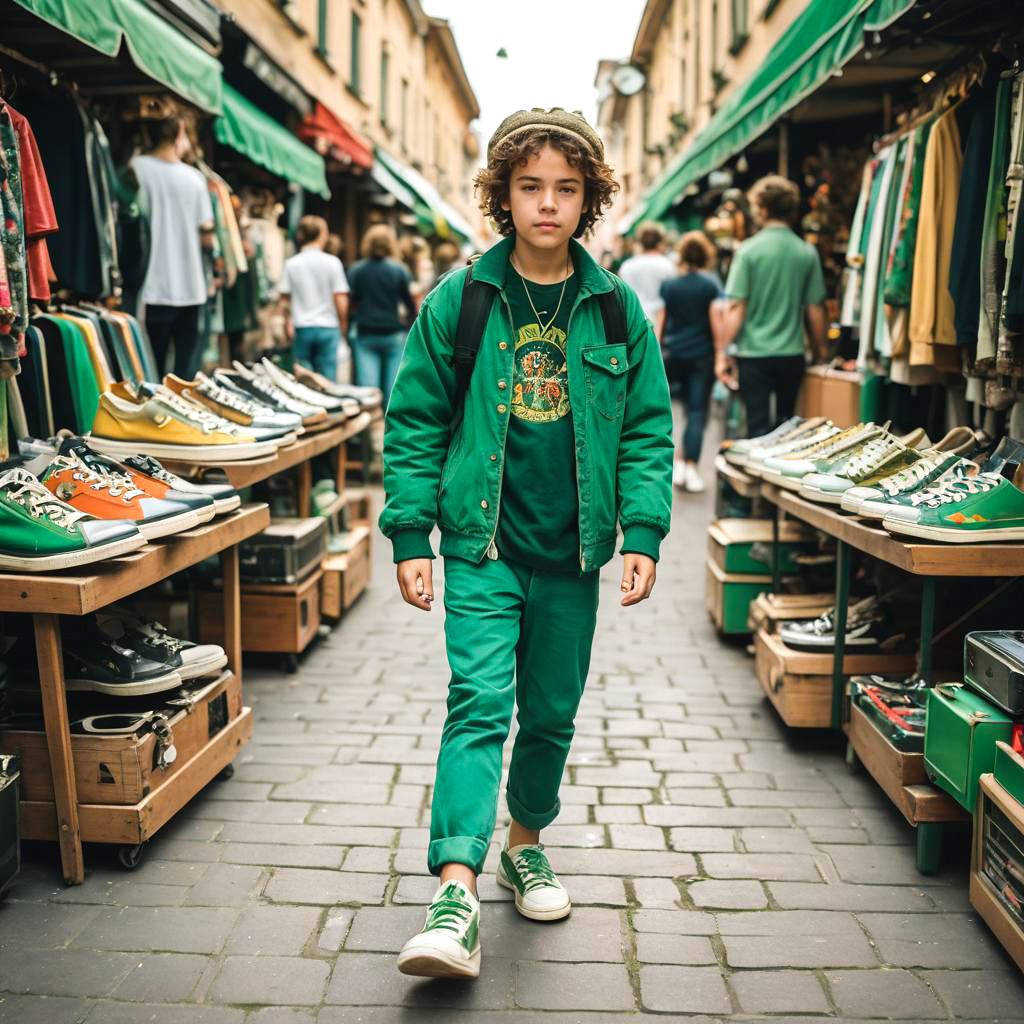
(494, 458)
(483, 504)
(503, 345)
(501, 408)
(614, 361)
(502, 385)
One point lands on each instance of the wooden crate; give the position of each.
(119, 769)
(900, 774)
(832, 393)
(728, 597)
(768, 610)
(730, 541)
(799, 683)
(346, 575)
(276, 618)
(983, 896)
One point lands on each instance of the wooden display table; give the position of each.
(742, 483)
(45, 597)
(902, 777)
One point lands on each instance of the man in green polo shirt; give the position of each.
(774, 282)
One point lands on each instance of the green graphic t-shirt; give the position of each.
(539, 520)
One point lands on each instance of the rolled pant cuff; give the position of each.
(468, 850)
(528, 818)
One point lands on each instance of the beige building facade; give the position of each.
(386, 69)
(692, 54)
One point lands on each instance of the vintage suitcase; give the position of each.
(728, 597)
(745, 545)
(287, 551)
(10, 833)
(1009, 770)
(994, 667)
(897, 712)
(960, 740)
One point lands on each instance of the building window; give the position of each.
(404, 113)
(321, 28)
(385, 107)
(740, 14)
(354, 68)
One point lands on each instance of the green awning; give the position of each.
(823, 38)
(256, 135)
(435, 214)
(156, 47)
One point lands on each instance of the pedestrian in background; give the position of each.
(383, 304)
(649, 269)
(774, 283)
(314, 300)
(687, 327)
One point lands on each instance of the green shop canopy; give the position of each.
(826, 35)
(435, 214)
(256, 135)
(156, 47)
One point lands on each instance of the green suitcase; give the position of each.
(960, 740)
(745, 545)
(1009, 771)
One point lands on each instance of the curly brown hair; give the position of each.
(492, 182)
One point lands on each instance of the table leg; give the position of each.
(842, 604)
(340, 466)
(232, 609)
(58, 743)
(924, 660)
(929, 846)
(776, 552)
(304, 488)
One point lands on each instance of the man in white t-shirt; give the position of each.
(645, 272)
(314, 299)
(181, 225)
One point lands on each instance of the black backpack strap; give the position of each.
(477, 299)
(613, 315)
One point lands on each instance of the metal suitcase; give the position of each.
(10, 832)
(960, 740)
(994, 667)
(287, 551)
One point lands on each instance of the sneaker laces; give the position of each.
(871, 456)
(222, 396)
(209, 421)
(156, 633)
(958, 490)
(148, 465)
(899, 482)
(533, 868)
(833, 444)
(38, 501)
(119, 485)
(449, 912)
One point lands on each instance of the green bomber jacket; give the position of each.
(443, 468)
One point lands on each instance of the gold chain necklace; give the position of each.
(526, 288)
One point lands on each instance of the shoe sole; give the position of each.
(212, 453)
(72, 559)
(223, 505)
(829, 645)
(206, 667)
(176, 523)
(171, 681)
(828, 497)
(951, 536)
(535, 915)
(424, 962)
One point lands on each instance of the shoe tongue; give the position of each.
(461, 889)
(78, 448)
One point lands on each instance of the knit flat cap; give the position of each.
(564, 122)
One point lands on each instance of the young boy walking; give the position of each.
(562, 433)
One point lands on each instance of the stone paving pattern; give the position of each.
(721, 868)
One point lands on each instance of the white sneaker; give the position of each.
(539, 894)
(679, 474)
(691, 479)
(449, 945)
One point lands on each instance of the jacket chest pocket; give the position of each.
(604, 369)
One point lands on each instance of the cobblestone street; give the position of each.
(719, 867)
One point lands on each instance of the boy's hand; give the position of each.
(638, 573)
(725, 371)
(416, 582)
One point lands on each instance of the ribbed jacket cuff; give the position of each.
(640, 539)
(411, 543)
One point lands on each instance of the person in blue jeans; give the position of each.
(314, 300)
(382, 306)
(688, 327)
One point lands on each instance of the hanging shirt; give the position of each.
(179, 203)
(538, 522)
(312, 278)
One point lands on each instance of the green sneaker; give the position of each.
(539, 894)
(449, 945)
(981, 508)
(873, 498)
(883, 453)
(39, 532)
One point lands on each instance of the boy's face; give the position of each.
(545, 198)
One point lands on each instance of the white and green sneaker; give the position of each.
(449, 945)
(539, 894)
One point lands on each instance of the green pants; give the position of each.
(516, 637)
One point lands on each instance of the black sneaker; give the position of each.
(867, 626)
(153, 640)
(97, 663)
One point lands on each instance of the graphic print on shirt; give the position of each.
(540, 385)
